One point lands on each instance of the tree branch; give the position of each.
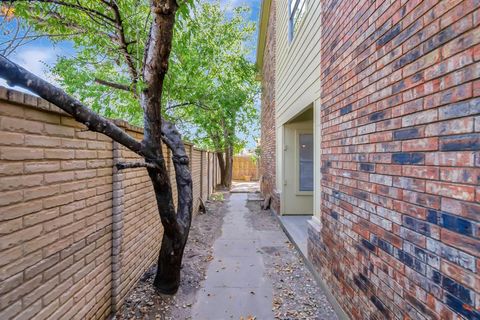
(155, 66)
(16, 41)
(172, 138)
(66, 22)
(115, 85)
(123, 41)
(16, 75)
(197, 104)
(131, 165)
(79, 7)
(36, 37)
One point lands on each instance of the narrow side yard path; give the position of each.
(236, 284)
(256, 273)
(238, 265)
(245, 187)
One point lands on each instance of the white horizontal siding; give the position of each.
(298, 63)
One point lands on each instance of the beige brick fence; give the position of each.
(75, 234)
(244, 166)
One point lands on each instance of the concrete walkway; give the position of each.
(236, 285)
(245, 186)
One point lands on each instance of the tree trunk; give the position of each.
(226, 167)
(176, 223)
(167, 279)
(221, 164)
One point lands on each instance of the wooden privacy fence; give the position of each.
(245, 168)
(75, 234)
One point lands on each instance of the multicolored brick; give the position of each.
(401, 135)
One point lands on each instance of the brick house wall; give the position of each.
(75, 234)
(268, 128)
(399, 235)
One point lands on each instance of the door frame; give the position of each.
(284, 147)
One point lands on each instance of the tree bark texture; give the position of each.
(176, 222)
(228, 166)
(225, 162)
(221, 164)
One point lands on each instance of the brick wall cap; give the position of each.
(30, 100)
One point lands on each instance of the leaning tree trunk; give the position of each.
(176, 223)
(175, 234)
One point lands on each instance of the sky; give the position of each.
(39, 55)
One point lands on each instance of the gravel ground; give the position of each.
(144, 303)
(296, 294)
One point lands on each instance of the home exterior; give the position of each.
(290, 77)
(265, 54)
(371, 125)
